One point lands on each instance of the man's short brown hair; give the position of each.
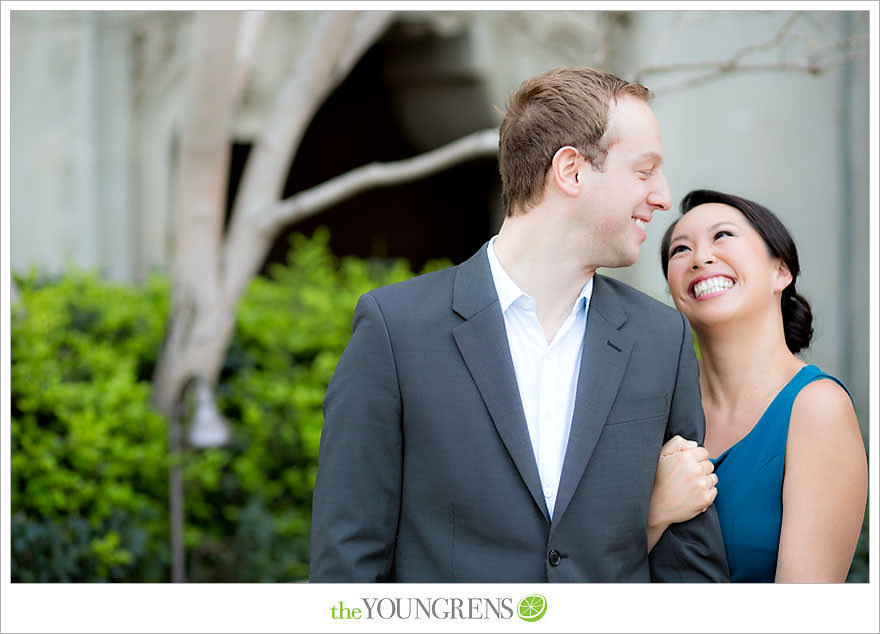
(564, 106)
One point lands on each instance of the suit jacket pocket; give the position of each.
(630, 410)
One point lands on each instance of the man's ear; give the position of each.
(783, 276)
(564, 170)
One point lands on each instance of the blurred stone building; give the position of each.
(95, 103)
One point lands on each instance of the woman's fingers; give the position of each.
(676, 444)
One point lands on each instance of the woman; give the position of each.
(783, 438)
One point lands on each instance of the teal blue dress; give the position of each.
(749, 501)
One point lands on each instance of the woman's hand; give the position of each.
(684, 486)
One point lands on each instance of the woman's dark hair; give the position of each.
(797, 319)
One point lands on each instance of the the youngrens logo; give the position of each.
(530, 608)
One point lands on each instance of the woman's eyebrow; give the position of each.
(684, 236)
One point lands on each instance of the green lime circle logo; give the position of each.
(532, 607)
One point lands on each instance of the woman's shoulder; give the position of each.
(821, 407)
(822, 395)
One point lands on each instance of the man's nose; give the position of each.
(660, 198)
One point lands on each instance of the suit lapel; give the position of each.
(482, 341)
(605, 355)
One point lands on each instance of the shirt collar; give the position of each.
(509, 292)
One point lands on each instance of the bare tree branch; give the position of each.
(297, 101)
(773, 42)
(814, 61)
(732, 64)
(367, 29)
(851, 44)
(655, 68)
(333, 47)
(324, 48)
(249, 31)
(716, 71)
(320, 197)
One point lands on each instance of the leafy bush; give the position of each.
(89, 473)
(90, 466)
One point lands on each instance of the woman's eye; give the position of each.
(722, 233)
(677, 249)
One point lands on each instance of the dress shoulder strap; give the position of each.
(804, 377)
(778, 415)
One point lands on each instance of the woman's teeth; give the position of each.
(712, 285)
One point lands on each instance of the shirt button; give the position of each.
(548, 492)
(554, 557)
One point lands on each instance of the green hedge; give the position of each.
(89, 454)
(89, 472)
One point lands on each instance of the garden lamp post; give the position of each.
(208, 429)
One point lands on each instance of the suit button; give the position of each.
(554, 558)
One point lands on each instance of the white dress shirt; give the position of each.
(546, 374)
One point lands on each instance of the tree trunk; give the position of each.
(199, 206)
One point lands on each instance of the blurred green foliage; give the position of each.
(89, 454)
(89, 472)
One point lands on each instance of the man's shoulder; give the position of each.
(645, 313)
(435, 288)
(421, 288)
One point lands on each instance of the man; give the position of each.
(501, 420)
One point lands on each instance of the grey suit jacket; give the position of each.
(426, 471)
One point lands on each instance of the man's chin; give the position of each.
(622, 262)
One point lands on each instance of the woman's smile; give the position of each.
(710, 285)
